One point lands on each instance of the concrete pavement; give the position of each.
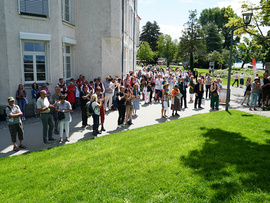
(147, 115)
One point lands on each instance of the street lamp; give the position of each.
(246, 18)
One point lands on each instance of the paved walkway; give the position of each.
(148, 115)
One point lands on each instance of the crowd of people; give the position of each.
(150, 84)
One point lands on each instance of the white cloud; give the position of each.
(174, 31)
(192, 1)
(147, 2)
(235, 4)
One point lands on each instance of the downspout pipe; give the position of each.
(134, 40)
(123, 37)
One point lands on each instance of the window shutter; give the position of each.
(39, 7)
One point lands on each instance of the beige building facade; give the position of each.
(44, 40)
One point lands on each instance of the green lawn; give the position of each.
(212, 157)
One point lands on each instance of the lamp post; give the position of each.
(246, 18)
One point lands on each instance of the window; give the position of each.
(68, 62)
(34, 7)
(68, 11)
(34, 61)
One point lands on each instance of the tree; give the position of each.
(213, 38)
(215, 56)
(219, 17)
(261, 17)
(166, 48)
(145, 52)
(150, 34)
(248, 50)
(192, 41)
(219, 58)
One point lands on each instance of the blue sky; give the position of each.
(171, 15)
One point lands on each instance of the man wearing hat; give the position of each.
(14, 123)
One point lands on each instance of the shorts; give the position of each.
(14, 129)
(265, 94)
(130, 107)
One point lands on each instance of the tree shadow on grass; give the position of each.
(231, 163)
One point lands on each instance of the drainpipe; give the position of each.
(134, 40)
(123, 36)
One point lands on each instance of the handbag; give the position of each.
(26, 100)
(61, 116)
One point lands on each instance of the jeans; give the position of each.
(184, 97)
(253, 99)
(46, 119)
(207, 89)
(108, 100)
(84, 116)
(21, 103)
(35, 107)
(236, 80)
(96, 122)
(122, 112)
(61, 125)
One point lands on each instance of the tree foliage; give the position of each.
(261, 17)
(219, 17)
(145, 52)
(248, 49)
(192, 42)
(150, 34)
(213, 38)
(166, 48)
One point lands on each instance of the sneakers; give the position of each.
(67, 139)
(61, 140)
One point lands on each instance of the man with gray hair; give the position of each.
(43, 106)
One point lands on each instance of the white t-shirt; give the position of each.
(95, 108)
(158, 84)
(41, 103)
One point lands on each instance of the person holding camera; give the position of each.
(214, 95)
(65, 108)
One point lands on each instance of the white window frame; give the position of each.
(71, 43)
(36, 37)
(71, 12)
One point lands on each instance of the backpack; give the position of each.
(115, 102)
(89, 109)
(5, 114)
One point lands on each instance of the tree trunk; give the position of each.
(243, 64)
(191, 62)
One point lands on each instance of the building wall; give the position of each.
(97, 51)
(99, 38)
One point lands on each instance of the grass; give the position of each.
(214, 157)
